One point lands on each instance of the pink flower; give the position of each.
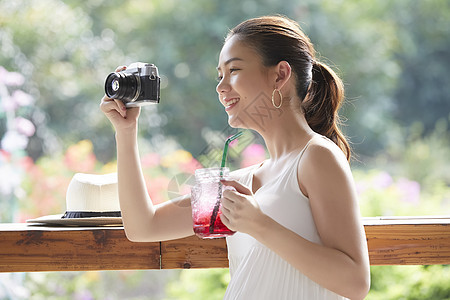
(233, 143)
(191, 166)
(22, 98)
(11, 178)
(254, 150)
(80, 157)
(150, 160)
(13, 141)
(8, 104)
(5, 156)
(253, 154)
(157, 189)
(382, 180)
(26, 163)
(11, 78)
(24, 126)
(3, 74)
(409, 190)
(361, 187)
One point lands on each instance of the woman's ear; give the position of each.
(283, 72)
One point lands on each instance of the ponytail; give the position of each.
(321, 104)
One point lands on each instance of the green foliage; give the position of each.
(199, 284)
(392, 57)
(410, 283)
(414, 179)
(418, 155)
(422, 91)
(381, 194)
(133, 285)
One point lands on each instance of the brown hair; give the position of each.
(277, 38)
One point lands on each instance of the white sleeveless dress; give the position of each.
(256, 271)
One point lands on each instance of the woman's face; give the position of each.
(243, 83)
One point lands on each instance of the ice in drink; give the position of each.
(205, 201)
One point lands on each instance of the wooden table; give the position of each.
(30, 248)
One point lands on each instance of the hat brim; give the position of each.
(94, 221)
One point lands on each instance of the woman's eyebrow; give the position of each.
(229, 61)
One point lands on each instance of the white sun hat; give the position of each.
(91, 200)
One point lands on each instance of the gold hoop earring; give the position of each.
(273, 100)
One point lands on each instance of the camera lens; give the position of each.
(122, 86)
(115, 84)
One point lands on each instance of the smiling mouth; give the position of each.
(229, 104)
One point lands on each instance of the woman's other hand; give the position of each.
(240, 211)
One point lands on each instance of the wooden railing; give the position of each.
(28, 248)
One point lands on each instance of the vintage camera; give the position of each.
(138, 85)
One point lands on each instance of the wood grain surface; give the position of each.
(25, 248)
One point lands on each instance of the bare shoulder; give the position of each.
(323, 163)
(323, 152)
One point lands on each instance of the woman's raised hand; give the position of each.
(120, 117)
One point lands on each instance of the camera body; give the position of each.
(137, 85)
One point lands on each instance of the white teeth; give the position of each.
(231, 102)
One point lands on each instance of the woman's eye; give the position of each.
(232, 70)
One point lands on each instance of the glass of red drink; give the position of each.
(205, 202)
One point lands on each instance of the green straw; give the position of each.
(224, 159)
(225, 148)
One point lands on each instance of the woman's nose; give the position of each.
(223, 86)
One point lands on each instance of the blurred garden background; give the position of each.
(394, 57)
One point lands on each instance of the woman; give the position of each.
(299, 234)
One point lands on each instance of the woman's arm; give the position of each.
(143, 221)
(341, 263)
